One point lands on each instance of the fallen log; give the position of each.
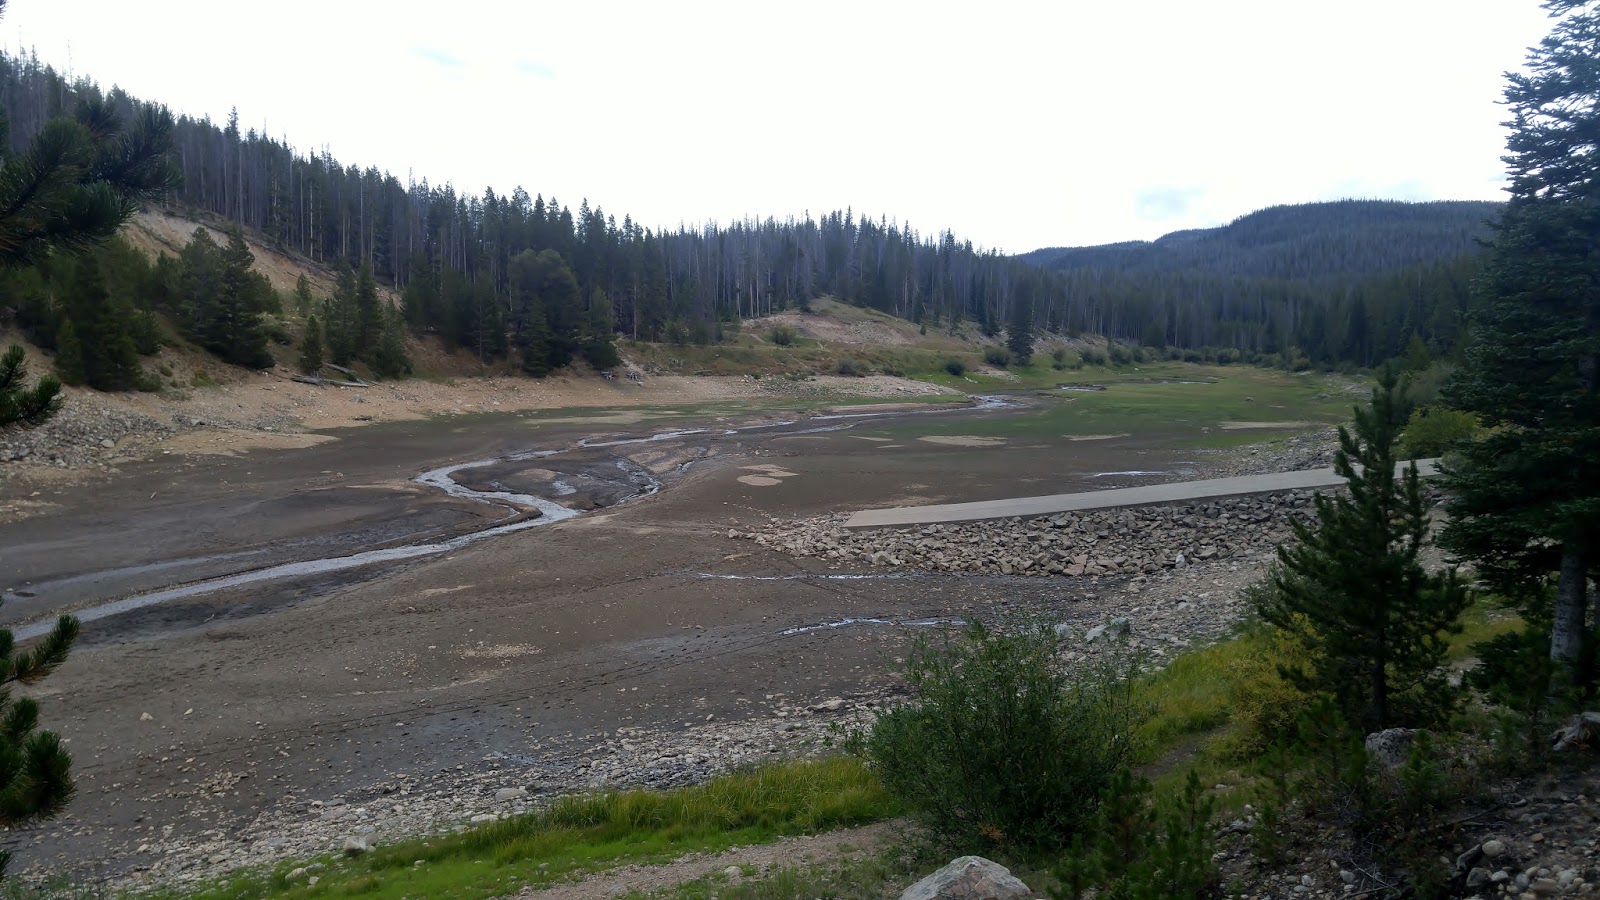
(349, 374)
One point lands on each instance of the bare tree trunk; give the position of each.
(1567, 631)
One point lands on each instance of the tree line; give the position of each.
(454, 255)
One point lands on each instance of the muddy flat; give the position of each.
(196, 720)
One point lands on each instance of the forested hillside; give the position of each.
(1340, 241)
(518, 274)
(1342, 281)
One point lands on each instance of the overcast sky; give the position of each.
(1018, 125)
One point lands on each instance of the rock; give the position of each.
(355, 846)
(1115, 628)
(733, 871)
(1493, 848)
(107, 443)
(1545, 887)
(1582, 733)
(969, 878)
(146, 717)
(1390, 748)
(1347, 876)
(483, 818)
(297, 874)
(513, 793)
(1477, 877)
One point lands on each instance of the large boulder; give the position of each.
(969, 878)
(1391, 748)
(1582, 733)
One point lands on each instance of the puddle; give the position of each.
(1129, 472)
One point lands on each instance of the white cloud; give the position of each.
(1016, 124)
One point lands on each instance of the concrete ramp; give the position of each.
(1147, 495)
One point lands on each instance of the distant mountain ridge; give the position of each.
(1340, 240)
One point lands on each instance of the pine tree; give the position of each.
(342, 321)
(1525, 496)
(102, 352)
(369, 312)
(20, 405)
(311, 347)
(81, 178)
(302, 296)
(35, 770)
(235, 333)
(390, 359)
(69, 355)
(600, 346)
(1019, 332)
(1352, 585)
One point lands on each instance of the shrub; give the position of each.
(955, 367)
(1432, 429)
(1138, 848)
(1119, 354)
(1514, 672)
(1059, 359)
(1267, 704)
(1094, 356)
(146, 331)
(1193, 356)
(999, 357)
(852, 367)
(782, 335)
(1003, 748)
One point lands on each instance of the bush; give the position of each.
(1003, 748)
(955, 367)
(782, 335)
(852, 367)
(1267, 704)
(1514, 672)
(1061, 359)
(1432, 429)
(999, 357)
(1093, 356)
(1119, 354)
(1138, 848)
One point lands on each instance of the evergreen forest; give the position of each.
(527, 278)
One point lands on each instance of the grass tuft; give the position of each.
(584, 833)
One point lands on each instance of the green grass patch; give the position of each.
(1483, 621)
(1194, 696)
(586, 833)
(1191, 403)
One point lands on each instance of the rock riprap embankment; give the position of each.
(1137, 541)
